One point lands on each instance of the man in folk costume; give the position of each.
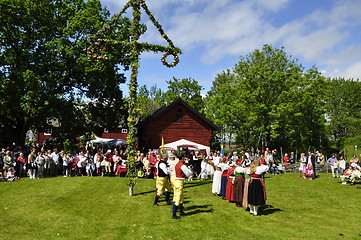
(181, 173)
(172, 162)
(162, 181)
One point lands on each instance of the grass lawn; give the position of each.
(100, 208)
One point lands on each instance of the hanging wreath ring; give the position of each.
(172, 64)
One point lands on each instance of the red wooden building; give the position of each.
(117, 133)
(174, 122)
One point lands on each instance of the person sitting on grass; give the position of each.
(356, 173)
(346, 175)
(10, 175)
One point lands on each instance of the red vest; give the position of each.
(178, 171)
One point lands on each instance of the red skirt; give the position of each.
(230, 190)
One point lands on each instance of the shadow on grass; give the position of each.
(144, 193)
(193, 210)
(268, 209)
(190, 184)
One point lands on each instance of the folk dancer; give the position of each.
(257, 189)
(162, 181)
(239, 183)
(181, 173)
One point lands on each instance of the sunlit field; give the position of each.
(100, 208)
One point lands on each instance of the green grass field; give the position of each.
(100, 208)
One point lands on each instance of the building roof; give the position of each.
(164, 109)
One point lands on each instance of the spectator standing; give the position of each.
(292, 158)
(47, 166)
(21, 165)
(54, 162)
(332, 161)
(9, 161)
(2, 155)
(342, 165)
(31, 164)
(66, 160)
(354, 159)
(40, 163)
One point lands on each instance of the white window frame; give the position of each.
(48, 131)
(124, 130)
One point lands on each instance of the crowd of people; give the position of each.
(38, 162)
(346, 171)
(237, 177)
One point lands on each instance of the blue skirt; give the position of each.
(223, 186)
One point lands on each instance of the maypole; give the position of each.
(136, 48)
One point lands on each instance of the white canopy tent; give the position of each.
(185, 143)
(108, 141)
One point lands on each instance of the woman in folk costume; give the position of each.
(230, 182)
(224, 167)
(217, 176)
(239, 183)
(246, 164)
(256, 189)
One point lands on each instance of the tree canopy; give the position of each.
(343, 109)
(45, 70)
(268, 99)
(149, 100)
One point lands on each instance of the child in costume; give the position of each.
(310, 172)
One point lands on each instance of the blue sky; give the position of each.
(213, 34)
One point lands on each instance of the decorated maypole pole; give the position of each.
(136, 48)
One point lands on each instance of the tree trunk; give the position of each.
(20, 138)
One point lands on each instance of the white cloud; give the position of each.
(273, 5)
(223, 28)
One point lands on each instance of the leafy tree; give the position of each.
(188, 89)
(149, 100)
(268, 99)
(343, 109)
(46, 73)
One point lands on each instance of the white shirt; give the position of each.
(186, 171)
(162, 166)
(55, 157)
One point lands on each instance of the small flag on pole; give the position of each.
(162, 145)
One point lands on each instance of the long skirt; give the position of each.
(223, 186)
(238, 189)
(230, 190)
(216, 185)
(256, 192)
